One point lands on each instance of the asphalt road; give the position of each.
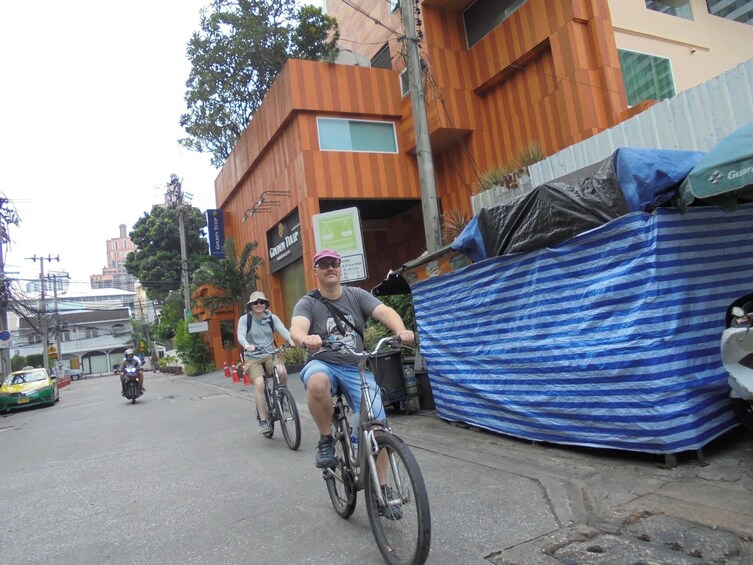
(184, 477)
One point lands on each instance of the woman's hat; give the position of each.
(257, 295)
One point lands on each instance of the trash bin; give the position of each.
(388, 374)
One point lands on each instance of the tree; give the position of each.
(234, 277)
(236, 57)
(170, 314)
(157, 261)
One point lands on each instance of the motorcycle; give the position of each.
(132, 383)
(737, 358)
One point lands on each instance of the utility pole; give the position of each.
(7, 216)
(5, 364)
(43, 307)
(429, 205)
(59, 363)
(175, 195)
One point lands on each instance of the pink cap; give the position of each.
(326, 253)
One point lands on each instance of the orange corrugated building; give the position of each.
(331, 136)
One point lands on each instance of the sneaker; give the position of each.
(325, 452)
(263, 427)
(392, 511)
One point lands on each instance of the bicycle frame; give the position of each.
(276, 385)
(367, 429)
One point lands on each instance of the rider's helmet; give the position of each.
(129, 354)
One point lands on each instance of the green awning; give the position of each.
(725, 173)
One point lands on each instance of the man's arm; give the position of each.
(393, 321)
(299, 329)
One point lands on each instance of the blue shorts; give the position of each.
(346, 376)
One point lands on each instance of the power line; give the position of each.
(361, 11)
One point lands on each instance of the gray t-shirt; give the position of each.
(356, 304)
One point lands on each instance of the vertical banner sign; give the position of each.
(216, 230)
(341, 231)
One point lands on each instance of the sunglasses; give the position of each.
(334, 263)
(257, 303)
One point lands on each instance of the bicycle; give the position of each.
(281, 405)
(398, 508)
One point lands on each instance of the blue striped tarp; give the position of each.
(609, 340)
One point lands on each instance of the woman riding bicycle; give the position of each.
(312, 319)
(256, 333)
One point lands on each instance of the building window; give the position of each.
(646, 77)
(394, 5)
(91, 332)
(404, 83)
(738, 10)
(484, 15)
(337, 134)
(382, 59)
(679, 8)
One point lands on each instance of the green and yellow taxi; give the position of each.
(28, 387)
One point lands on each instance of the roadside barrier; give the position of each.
(227, 369)
(246, 379)
(236, 377)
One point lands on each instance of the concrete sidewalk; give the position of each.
(611, 507)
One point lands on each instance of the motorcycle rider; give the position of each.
(131, 360)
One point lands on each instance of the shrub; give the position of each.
(35, 360)
(294, 356)
(506, 175)
(17, 363)
(453, 224)
(192, 349)
(403, 305)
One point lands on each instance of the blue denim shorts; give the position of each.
(346, 376)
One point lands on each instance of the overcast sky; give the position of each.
(91, 94)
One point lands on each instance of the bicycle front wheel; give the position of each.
(401, 526)
(290, 423)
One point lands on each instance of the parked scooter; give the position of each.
(737, 357)
(132, 383)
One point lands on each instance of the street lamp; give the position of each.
(175, 196)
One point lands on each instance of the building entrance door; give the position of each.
(293, 285)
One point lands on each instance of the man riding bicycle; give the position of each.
(313, 319)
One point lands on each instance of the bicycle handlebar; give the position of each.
(271, 350)
(393, 342)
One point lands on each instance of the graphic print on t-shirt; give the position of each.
(334, 333)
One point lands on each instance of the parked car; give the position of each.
(28, 387)
(74, 374)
